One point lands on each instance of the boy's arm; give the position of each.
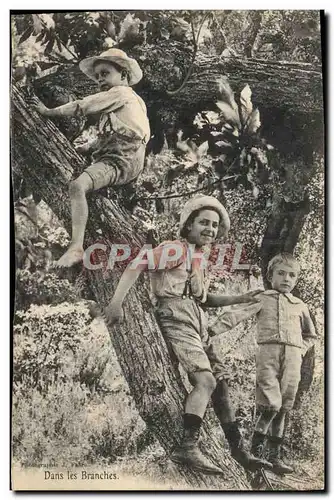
(308, 330)
(92, 104)
(114, 312)
(68, 109)
(228, 300)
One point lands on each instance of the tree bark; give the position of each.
(275, 84)
(46, 160)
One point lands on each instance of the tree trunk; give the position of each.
(44, 157)
(275, 84)
(284, 225)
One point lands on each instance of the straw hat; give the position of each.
(203, 201)
(117, 56)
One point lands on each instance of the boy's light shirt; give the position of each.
(169, 280)
(128, 108)
(281, 318)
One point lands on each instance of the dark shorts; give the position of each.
(184, 327)
(117, 160)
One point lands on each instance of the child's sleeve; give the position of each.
(97, 103)
(232, 316)
(308, 329)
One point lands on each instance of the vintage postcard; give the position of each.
(168, 186)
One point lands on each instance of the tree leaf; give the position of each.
(203, 149)
(59, 45)
(27, 33)
(254, 122)
(223, 144)
(129, 27)
(256, 192)
(49, 47)
(226, 92)
(40, 37)
(230, 114)
(246, 106)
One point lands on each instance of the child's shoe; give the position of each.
(276, 456)
(188, 453)
(238, 451)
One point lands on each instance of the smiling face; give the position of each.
(204, 228)
(107, 76)
(284, 278)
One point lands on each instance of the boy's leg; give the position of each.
(94, 177)
(79, 211)
(268, 392)
(224, 410)
(179, 321)
(196, 402)
(291, 364)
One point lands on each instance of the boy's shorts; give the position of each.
(117, 161)
(277, 376)
(184, 327)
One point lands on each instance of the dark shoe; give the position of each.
(280, 467)
(188, 453)
(238, 451)
(275, 456)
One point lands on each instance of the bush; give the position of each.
(45, 340)
(304, 432)
(42, 287)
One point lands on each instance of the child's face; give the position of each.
(204, 228)
(107, 76)
(284, 278)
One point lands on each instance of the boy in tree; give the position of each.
(119, 152)
(180, 285)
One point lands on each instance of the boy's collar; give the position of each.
(289, 296)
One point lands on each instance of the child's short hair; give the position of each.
(184, 232)
(282, 258)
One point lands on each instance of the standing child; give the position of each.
(180, 285)
(284, 332)
(124, 131)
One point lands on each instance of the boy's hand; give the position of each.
(250, 297)
(113, 313)
(37, 105)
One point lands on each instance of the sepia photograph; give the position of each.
(168, 210)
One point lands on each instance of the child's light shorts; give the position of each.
(184, 327)
(117, 162)
(277, 376)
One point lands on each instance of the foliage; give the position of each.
(71, 404)
(305, 430)
(42, 288)
(269, 34)
(44, 338)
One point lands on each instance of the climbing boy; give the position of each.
(119, 152)
(180, 284)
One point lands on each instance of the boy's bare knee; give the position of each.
(80, 185)
(75, 188)
(207, 380)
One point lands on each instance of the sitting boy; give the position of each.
(180, 286)
(119, 152)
